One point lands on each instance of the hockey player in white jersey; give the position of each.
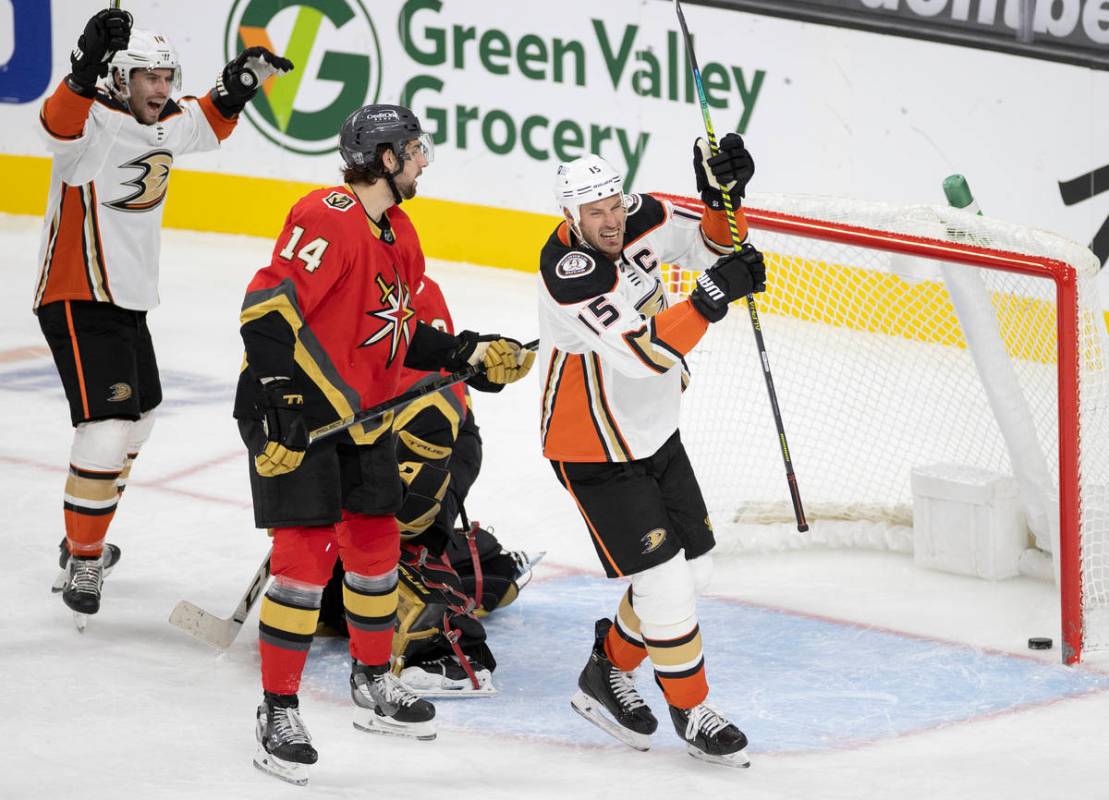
(612, 344)
(113, 148)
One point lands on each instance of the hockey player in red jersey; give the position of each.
(448, 576)
(327, 327)
(113, 148)
(612, 344)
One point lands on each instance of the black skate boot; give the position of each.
(709, 736)
(110, 556)
(601, 685)
(387, 706)
(284, 745)
(81, 591)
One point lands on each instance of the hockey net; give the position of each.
(900, 337)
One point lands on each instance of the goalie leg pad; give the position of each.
(96, 461)
(427, 483)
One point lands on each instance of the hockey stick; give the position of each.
(216, 631)
(367, 414)
(220, 632)
(752, 309)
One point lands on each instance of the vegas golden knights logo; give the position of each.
(652, 540)
(151, 184)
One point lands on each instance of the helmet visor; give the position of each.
(421, 145)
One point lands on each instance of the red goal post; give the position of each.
(871, 304)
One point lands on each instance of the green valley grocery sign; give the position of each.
(338, 67)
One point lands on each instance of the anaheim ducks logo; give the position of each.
(652, 540)
(150, 185)
(119, 392)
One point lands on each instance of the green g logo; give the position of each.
(338, 67)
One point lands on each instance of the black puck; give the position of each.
(1039, 643)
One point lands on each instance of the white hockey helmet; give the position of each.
(145, 50)
(584, 180)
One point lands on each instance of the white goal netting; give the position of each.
(890, 352)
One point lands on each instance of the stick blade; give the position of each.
(208, 628)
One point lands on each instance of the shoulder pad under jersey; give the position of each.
(574, 274)
(644, 213)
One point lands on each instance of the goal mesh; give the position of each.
(889, 351)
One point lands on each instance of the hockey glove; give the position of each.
(282, 410)
(105, 33)
(504, 360)
(241, 79)
(734, 276)
(729, 170)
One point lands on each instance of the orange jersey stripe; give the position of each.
(571, 433)
(74, 268)
(64, 113)
(680, 327)
(77, 358)
(221, 125)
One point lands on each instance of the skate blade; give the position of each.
(427, 686)
(288, 771)
(368, 721)
(468, 690)
(81, 621)
(738, 759)
(591, 710)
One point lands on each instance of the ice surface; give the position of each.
(855, 674)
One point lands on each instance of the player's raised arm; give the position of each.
(65, 111)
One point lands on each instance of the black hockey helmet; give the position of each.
(374, 125)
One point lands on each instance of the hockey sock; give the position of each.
(624, 642)
(371, 605)
(136, 438)
(675, 652)
(95, 463)
(286, 623)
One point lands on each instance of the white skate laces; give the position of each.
(388, 690)
(85, 575)
(706, 719)
(288, 727)
(623, 687)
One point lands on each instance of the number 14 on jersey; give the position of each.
(311, 254)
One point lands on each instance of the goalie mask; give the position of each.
(584, 180)
(145, 50)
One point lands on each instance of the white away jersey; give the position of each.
(102, 232)
(611, 343)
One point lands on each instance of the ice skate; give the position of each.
(81, 590)
(284, 744)
(445, 677)
(603, 688)
(525, 563)
(709, 736)
(111, 556)
(387, 706)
